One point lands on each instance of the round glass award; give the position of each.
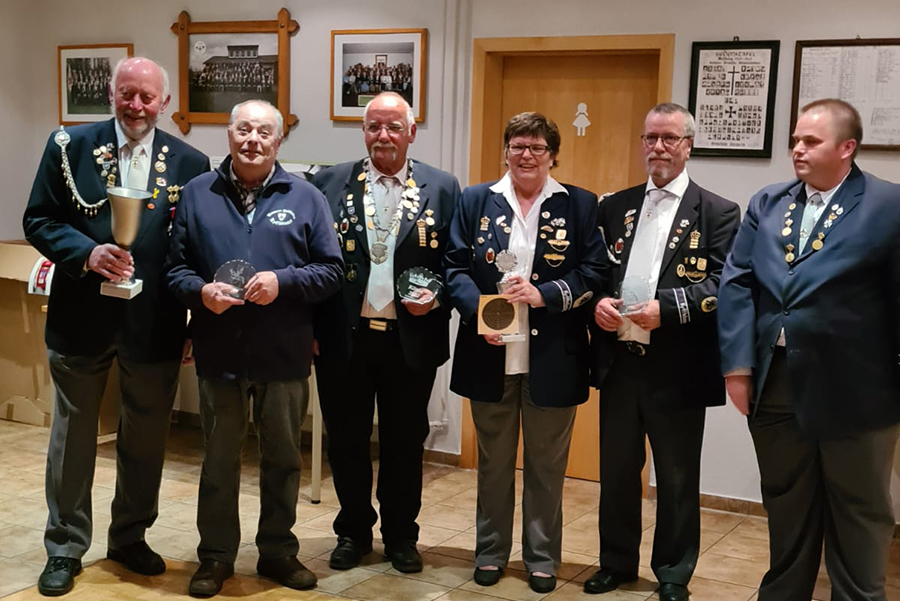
(235, 273)
(635, 294)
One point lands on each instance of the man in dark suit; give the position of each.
(657, 365)
(809, 342)
(68, 221)
(391, 213)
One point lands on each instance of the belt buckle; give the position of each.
(379, 325)
(636, 347)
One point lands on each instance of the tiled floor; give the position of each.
(733, 547)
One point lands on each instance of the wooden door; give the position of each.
(617, 79)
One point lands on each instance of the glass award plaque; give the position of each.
(235, 273)
(635, 294)
(413, 282)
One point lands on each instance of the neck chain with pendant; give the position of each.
(379, 250)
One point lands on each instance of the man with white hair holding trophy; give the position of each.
(68, 219)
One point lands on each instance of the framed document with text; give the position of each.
(732, 97)
(865, 73)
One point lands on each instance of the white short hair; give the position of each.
(122, 61)
(279, 120)
(410, 115)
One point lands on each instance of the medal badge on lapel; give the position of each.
(556, 239)
(106, 163)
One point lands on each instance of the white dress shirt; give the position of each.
(522, 241)
(125, 152)
(655, 223)
(386, 200)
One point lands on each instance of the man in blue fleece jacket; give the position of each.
(255, 341)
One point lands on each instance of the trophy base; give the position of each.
(126, 290)
(505, 338)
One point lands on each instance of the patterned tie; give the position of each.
(381, 276)
(137, 171)
(646, 240)
(809, 218)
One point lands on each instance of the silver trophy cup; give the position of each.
(126, 204)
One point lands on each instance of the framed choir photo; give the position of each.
(366, 62)
(224, 63)
(83, 76)
(732, 97)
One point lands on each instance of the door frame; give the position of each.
(485, 145)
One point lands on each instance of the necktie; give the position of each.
(137, 170)
(809, 218)
(646, 241)
(381, 275)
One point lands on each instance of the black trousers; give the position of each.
(629, 410)
(835, 492)
(347, 392)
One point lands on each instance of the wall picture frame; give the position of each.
(732, 97)
(83, 75)
(861, 71)
(366, 62)
(223, 63)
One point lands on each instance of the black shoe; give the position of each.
(348, 553)
(287, 571)
(139, 558)
(669, 591)
(209, 577)
(404, 556)
(488, 577)
(541, 584)
(58, 576)
(605, 580)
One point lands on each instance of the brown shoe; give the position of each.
(209, 577)
(287, 571)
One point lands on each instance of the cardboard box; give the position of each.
(26, 390)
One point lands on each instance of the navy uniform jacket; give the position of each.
(79, 320)
(292, 235)
(558, 348)
(839, 305)
(424, 338)
(683, 358)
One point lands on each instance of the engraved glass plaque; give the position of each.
(635, 294)
(413, 281)
(235, 273)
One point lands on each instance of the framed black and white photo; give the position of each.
(83, 76)
(366, 62)
(732, 97)
(864, 72)
(223, 63)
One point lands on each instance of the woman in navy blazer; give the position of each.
(560, 262)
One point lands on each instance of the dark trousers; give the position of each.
(628, 412)
(835, 492)
(279, 409)
(347, 392)
(148, 391)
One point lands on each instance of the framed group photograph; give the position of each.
(83, 76)
(732, 97)
(865, 73)
(224, 63)
(366, 62)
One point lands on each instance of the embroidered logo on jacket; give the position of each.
(281, 217)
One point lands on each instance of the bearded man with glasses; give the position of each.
(391, 213)
(656, 362)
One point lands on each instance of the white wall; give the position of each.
(29, 111)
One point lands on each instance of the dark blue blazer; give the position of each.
(558, 363)
(292, 235)
(839, 306)
(79, 320)
(425, 338)
(684, 357)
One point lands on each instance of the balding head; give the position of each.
(139, 91)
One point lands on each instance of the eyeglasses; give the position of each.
(669, 142)
(393, 129)
(535, 149)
